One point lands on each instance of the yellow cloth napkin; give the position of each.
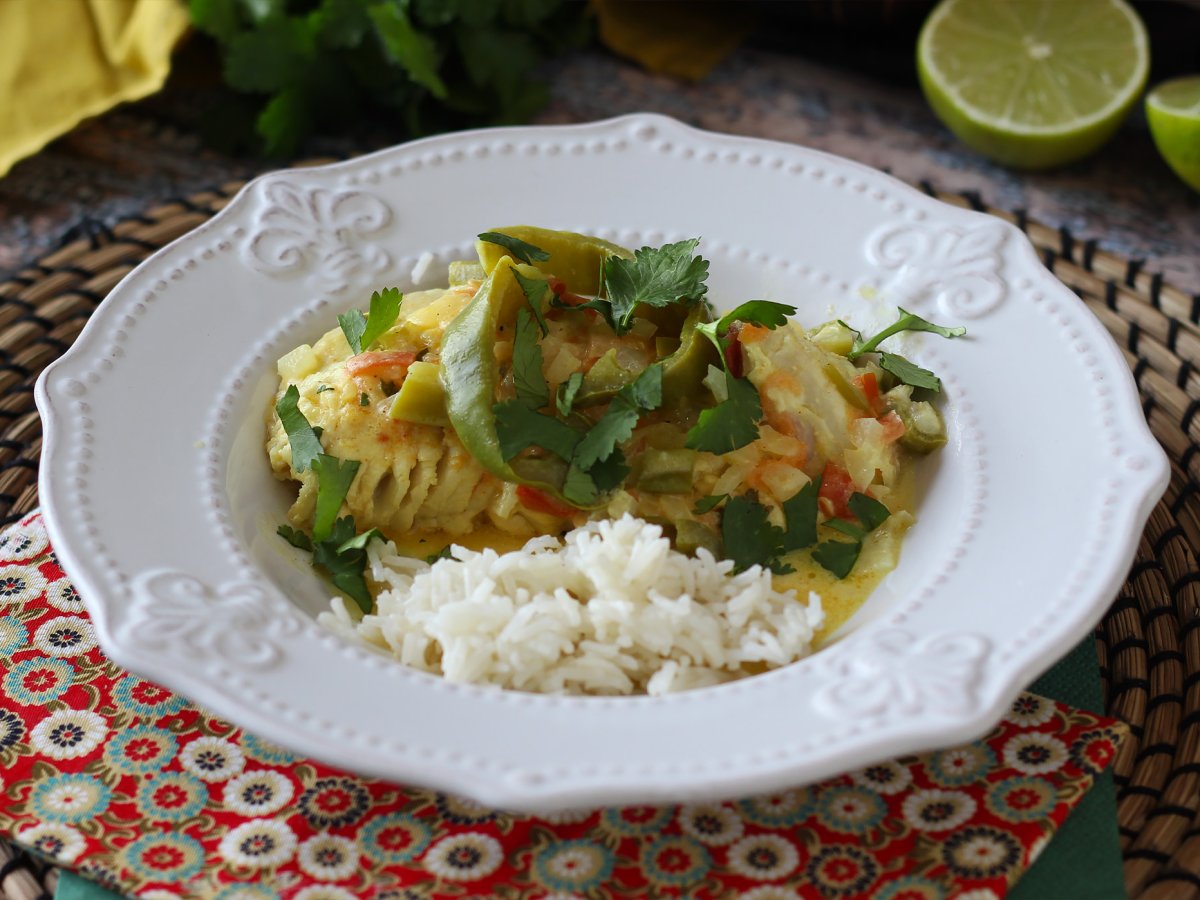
(64, 60)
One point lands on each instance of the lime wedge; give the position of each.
(1033, 83)
(1173, 111)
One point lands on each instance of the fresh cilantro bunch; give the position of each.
(432, 65)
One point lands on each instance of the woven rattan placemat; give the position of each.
(1149, 641)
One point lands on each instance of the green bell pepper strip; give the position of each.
(469, 371)
(576, 259)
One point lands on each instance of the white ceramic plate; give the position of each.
(162, 507)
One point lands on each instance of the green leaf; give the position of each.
(342, 24)
(363, 331)
(517, 248)
(518, 427)
(868, 510)
(579, 487)
(364, 399)
(261, 10)
(294, 537)
(354, 326)
(444, 553)
(910, 373)
(528, 379)
(274, 57)
(709, 503)
(907, 322)
(766, 313)
(848, 528)
(732, 423)
(610, 472)
(621, 417)
(382, 315)
(219, 18)
(838, 557)
(800, 513)
(343, 555)
(334, 477)
(656, 277)
(748, 537)
(305, 442)
(415, 52)
(535, 290)
(566, 394)
(360, 541)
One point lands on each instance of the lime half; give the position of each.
(1033, 83)
(1173, 111)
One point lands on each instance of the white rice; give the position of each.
(613, 609)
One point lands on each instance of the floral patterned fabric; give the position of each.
(139, 790)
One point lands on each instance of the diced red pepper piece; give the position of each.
(540, 501)
(836, 488)
(388, 364)
(869, 385)
(735, 356)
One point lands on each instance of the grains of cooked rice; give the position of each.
(611, 609)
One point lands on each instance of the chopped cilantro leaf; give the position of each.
(848, 528)
(609, 472)
(868, 510)
(656, 276)
(566, 394)
(907, 322)
(535, 290)
(621, 417)
(800, 512)
(354, 326)
(305, 441)
(910, 373)
(360, 541)
(732, 423)
(518, 427)
(579, 487)
(318, 431)
(364, 399)
(766, 313)
(385, 309)
(295, 537)
(748, 537)
(517, 248)
(363, 331)
(709, 503)
(334, 477)
(838, 557)
(444, 553)
(527, 364)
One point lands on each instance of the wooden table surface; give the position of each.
(1125, 197)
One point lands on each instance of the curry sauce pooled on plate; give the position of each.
(563, 380)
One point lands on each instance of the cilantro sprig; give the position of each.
(334, 544)
(363, 331)
(751, 539)
(656, 276)
(733, 422)
(906, 372)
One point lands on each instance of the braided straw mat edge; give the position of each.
(1149, 641)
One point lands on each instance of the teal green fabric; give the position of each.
(1082, 862)
(72, 887)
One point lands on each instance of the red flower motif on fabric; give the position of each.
(165, 858)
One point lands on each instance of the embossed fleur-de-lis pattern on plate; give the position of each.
(234, 625)
(895, 671)
(135, 788)
(330, 238)
(956, 268)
